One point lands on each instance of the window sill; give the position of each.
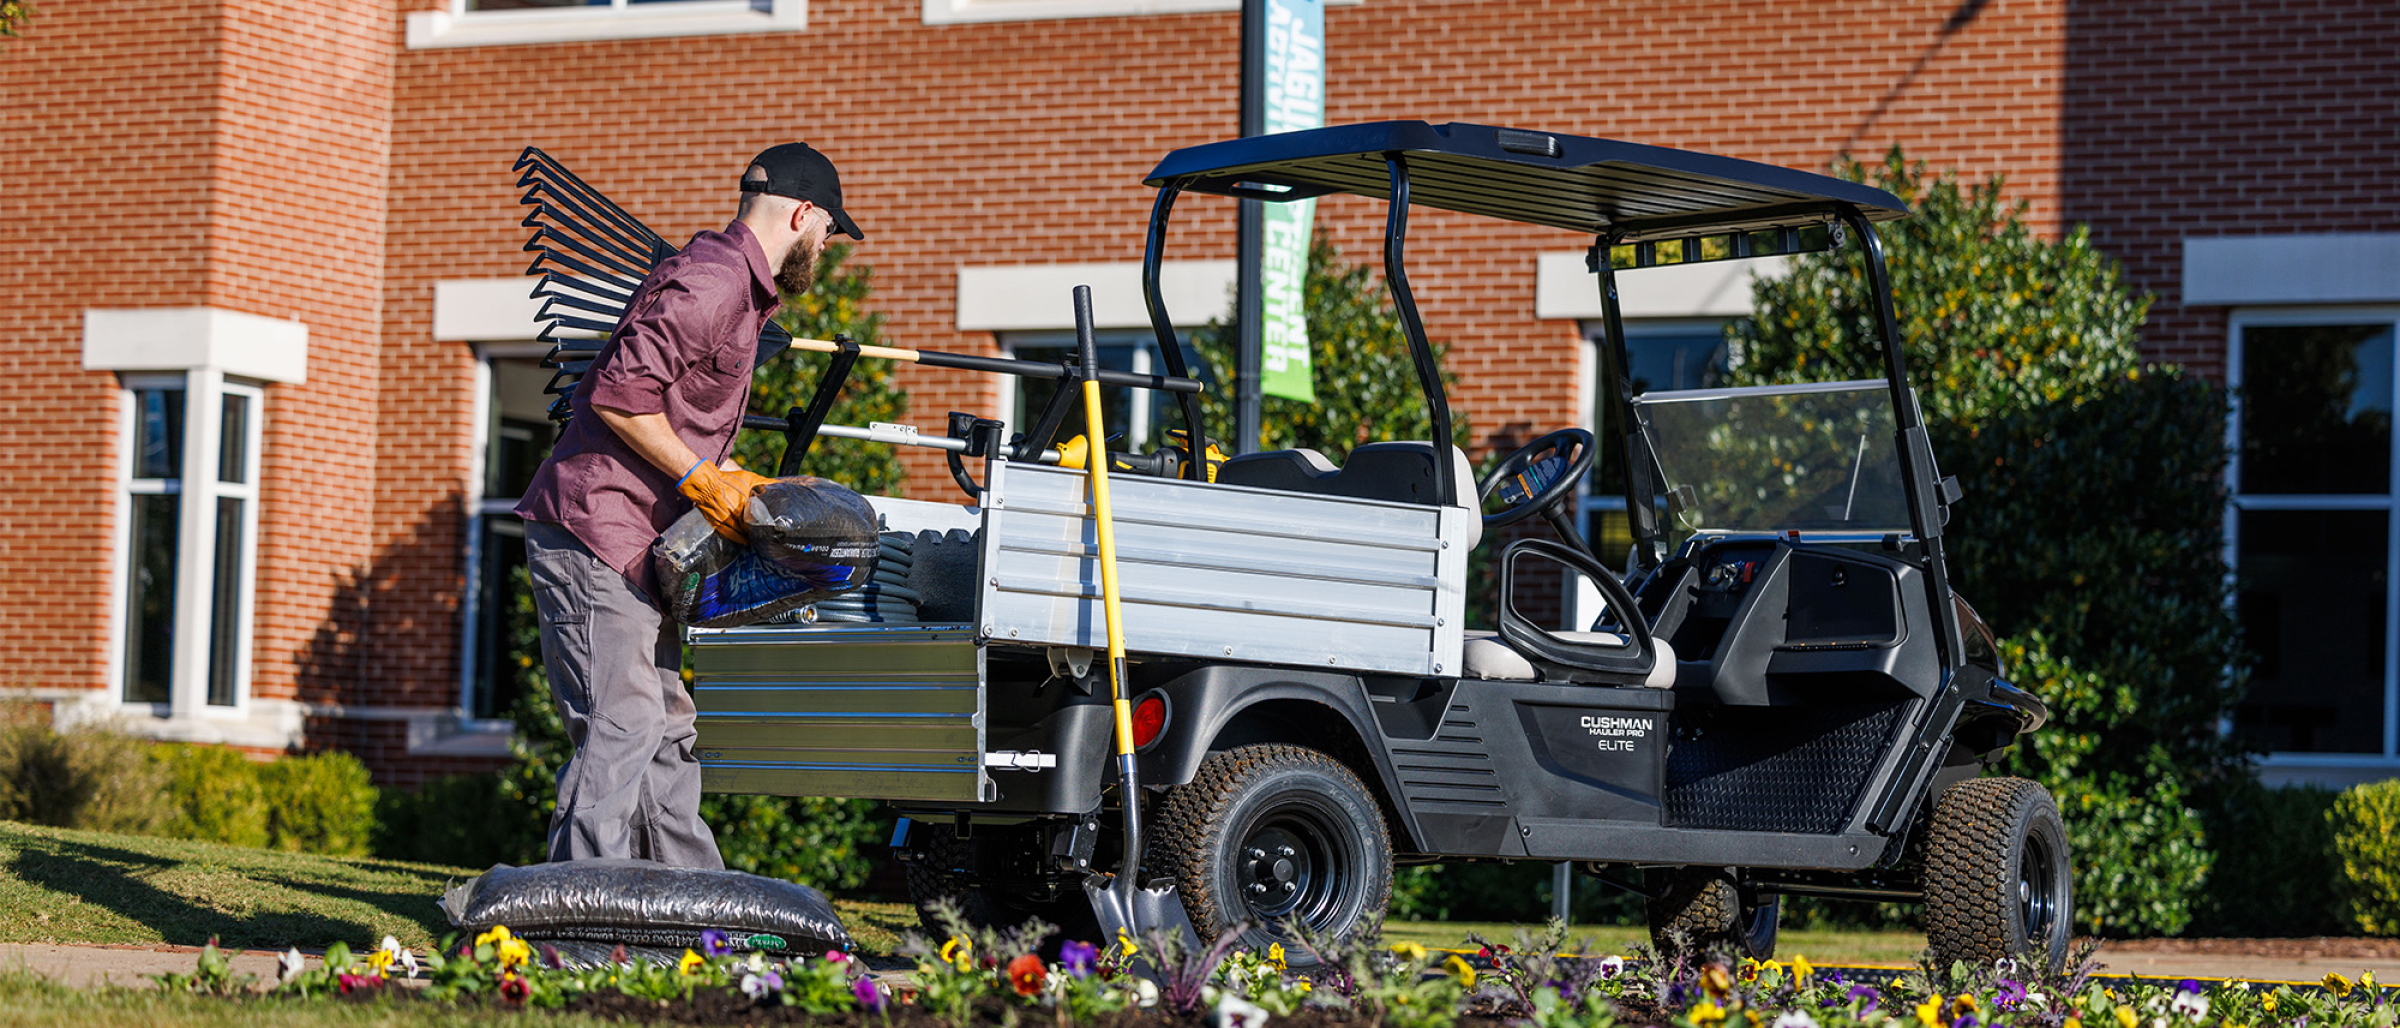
(429, 30)
(955, 12)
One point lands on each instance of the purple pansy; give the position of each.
(870, 998)
(713, 943)
(2011, 993)
(1078, 957)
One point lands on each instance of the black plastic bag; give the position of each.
(814, 530)
(809, 539)
(643, 904)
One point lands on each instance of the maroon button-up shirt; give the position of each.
(685, 350)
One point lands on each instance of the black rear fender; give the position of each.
(1221, 707)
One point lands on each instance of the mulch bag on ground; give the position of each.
(645, 905)
(810, 539)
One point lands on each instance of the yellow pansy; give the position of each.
(380, 960)
(1706, 1012)
(1962, 1006)
(1458, 968)
(690, 963)
(1275, 956)
(959, 952)
(2267, 1002)
(499, 933)
(1929, 1013)
(1802, 969)
(1304, 985)
(2126, 1017)
(513, 953)
(2336, 984)
(2073, 1022)
(1125, 944)
(1409, 950)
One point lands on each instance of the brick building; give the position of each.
(269, 386)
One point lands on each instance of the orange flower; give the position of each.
(1025, 974)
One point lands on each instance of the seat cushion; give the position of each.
(1489, 657)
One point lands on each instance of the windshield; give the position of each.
(1820, 458)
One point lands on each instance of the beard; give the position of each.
(799, 270)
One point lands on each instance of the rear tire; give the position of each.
(1704, 910)
(1272, 834)
(1998, 882)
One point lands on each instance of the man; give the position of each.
(654, 418)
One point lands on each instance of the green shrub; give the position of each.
(93, 777)
(322, 803)
(2366, 836)
(2276, 872)
(458, 819)
(214, 793)
(2091, 529)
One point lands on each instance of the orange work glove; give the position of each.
(720, 495)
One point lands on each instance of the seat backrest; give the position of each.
(1397, 471)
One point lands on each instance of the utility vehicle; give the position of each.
(1783, 696)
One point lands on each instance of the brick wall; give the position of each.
(2226, 118)
(105, 152)
(170, 154)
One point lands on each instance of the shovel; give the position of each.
(1127, 908)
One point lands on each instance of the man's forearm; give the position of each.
(652, 437)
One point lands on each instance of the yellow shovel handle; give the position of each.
(1112, 618)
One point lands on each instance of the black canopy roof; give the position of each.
(1570, 182)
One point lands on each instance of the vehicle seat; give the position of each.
(1399, 471)
(1489, 657)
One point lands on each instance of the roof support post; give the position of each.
(1154, 257)
(1638, 500)
(1429, 374)
(1919, 477)
(1250, 230)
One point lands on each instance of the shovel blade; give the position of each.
(1136, 912)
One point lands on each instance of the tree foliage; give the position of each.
(2090, 532)
(14, 14)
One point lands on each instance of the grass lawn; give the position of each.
(62, 886)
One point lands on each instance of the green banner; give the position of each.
(1295, 62)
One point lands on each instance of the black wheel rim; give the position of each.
(1296, 864)
(2038, 880)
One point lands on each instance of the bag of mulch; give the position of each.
(589, 907)
(804, 546)
(814, 530)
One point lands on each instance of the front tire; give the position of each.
(1273, 835)
(1998, 883)
(1705, 911)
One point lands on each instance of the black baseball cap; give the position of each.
(798, 171)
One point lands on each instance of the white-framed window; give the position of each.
(187, 541)
(1137, 420)
(946, 12)
(509, 22)
(2311, 533)
(516, 435)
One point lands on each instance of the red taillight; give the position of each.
(1149, 718)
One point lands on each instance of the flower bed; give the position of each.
(978, 977)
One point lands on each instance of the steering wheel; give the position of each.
(1540, 486)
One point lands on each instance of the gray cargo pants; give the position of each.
(632, 788)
